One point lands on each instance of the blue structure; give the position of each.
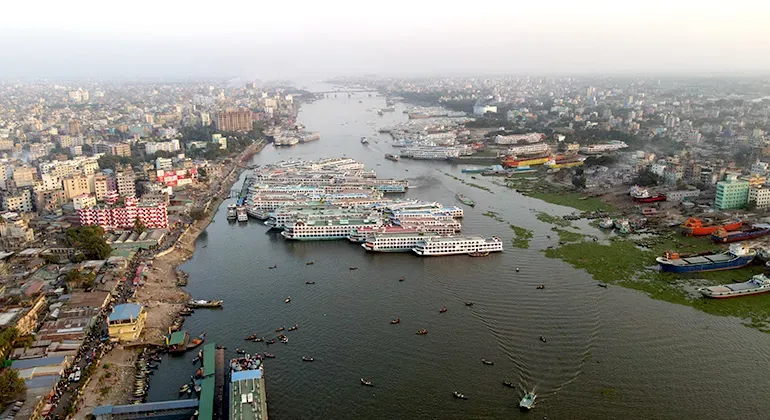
(125, 312)
(179, 409)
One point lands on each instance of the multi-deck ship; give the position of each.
(319, 230)
(395, 242)
(247, 398)
(241, 214)
(231, 213)
(475, 246)
(286, 216)
(430, 224)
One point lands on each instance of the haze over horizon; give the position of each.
(303, 39)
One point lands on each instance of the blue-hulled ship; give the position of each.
(738, 256)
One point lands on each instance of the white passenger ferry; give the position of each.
(318, 230)
(395, 242)
(454, 211)
(475, 246)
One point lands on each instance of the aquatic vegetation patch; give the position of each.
(470, 184)
(493, 215)
(554, 220)
(569, 236)
(624, 263)
(521, 240)
(562, 196)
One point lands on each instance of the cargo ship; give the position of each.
(756, 285)
(721, 236)
(513, 161)
(565, 161)
(738, 256)
(641, 195)
(394, 158)
(695, 227)
(465, 200)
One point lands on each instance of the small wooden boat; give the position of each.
(487, 362)
(540, 287)
(352, 268)
(509, 384)
(422, 332)
(251, 337)
(396, 321)
(459, 396)
(269, 355)
(311, 262)
(184, 388)
(279, 329)
(271, 341)
(442, 310)
(272, 267)
(401, 279)
(542, 339)
(468, 303)
(284, 340)
(602, 285)
(196, 359)
(239, 351)
(309, 282)
(307, 359)
(294, 328)
(287, 300)
(259, 339)
(366, 383)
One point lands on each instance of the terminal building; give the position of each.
(126, 322)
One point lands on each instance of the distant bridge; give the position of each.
(328, 92)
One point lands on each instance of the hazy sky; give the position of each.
(289, 39)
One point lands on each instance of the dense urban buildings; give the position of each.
(234, 120)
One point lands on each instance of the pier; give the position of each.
(243, 192)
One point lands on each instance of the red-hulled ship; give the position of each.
(695, 227)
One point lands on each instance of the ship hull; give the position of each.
(708, 230)
(737, 262)
(740, 236)
(736, 294)
(650, 199)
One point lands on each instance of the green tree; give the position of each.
(90, 240)
(7, 339)
(139, 227)
(197, 214)
(647, 178)
(11, 386)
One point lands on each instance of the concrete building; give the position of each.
(126, 183)
(100, 187)
(24, 176)
(232, 120)
(760, 197)
(152, 215)
(126, 322)
(48, 201)
(75, 185)
(164, 163)
(732, 193)
(480, 109)
(83, 201)
(18, 200)
(120, 149)
(170, 146)
(682, 195)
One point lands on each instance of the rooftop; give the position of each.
(125, 312)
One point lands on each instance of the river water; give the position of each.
(610, 353)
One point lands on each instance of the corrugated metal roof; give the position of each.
(147, 407)
(42, 361)
(47, 381)
(208, 359)
(176, 338)
(206, 406)
(125, 312)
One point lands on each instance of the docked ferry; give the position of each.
(454, 245)
(756, 285)
(319, 230)
(453, 212)
(246, 388)
(738, 256)
(241, 214)
(231, 212)
(281, 218)
(395, 242)
(442, 227)
(359, 235)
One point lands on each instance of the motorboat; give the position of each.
(396, 321)
(366, 383)
(307, 359)
(487, 362)
(542, 339)
(528, 401)
(442, 310)
(284, 340)
(422, 332)
(459, 396)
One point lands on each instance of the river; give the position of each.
(610, 353)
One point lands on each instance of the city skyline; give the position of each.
(305, 39)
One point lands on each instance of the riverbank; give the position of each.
(162, 299)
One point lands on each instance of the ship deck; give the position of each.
(247, 396)
(706, 259)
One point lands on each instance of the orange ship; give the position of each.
(695, 227)
(514, 162)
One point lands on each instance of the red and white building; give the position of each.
(154, 216)
(178, 177)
